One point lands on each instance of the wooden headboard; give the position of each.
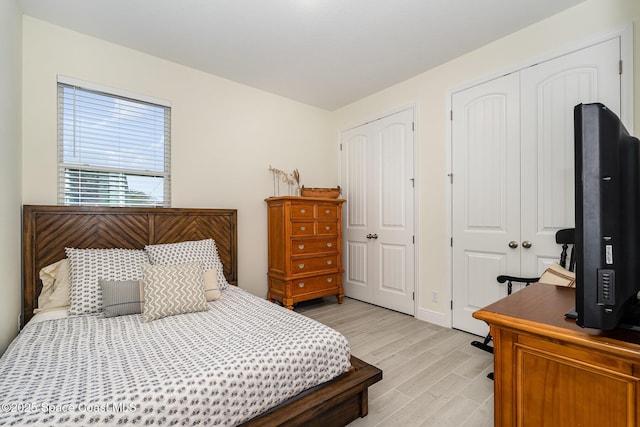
(47, 230)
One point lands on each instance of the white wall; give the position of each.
(224, 135)
(10, 246)
(430, 92)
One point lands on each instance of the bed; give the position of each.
(169, 392)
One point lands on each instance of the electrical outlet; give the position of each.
(434, 296)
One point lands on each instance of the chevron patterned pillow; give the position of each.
(204, 251)
(172, 289)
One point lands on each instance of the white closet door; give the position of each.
(513, 172)
(377, 171)
(357, 186)
(486, 195)
(549, 93)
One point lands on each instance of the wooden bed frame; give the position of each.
(47, 230)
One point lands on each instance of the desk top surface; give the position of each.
(542, 307)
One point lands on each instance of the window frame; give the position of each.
(104, 172)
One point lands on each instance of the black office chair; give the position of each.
(564, 237)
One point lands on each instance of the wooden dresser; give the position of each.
(305, 248)
(550, 372)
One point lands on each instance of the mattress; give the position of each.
(222, 367)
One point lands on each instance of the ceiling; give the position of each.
(326, 53)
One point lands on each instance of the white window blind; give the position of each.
(112, 150)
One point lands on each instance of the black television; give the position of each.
(607, 209)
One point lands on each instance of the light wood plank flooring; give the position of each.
(432, 376)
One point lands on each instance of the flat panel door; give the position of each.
(549, 93)
(377, 171)
(486, 195)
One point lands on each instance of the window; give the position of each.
(112, 150)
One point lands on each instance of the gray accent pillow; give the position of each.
(204, 251)
(172, 289)
(88, 265)
(120, 298)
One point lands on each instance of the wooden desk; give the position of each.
(550, 372)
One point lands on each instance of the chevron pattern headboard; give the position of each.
(47, 230)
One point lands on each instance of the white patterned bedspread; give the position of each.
(218, 367)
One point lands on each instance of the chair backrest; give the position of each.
(566, 238)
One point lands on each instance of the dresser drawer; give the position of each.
(310, 265)
(327, 211)
(302, 228)
(327, 228)
(313, 246)
(302, 210)
(314, 284)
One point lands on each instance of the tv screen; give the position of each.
(607, 239)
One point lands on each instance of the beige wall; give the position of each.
(430, 91)
(224, 135)
(10, 249)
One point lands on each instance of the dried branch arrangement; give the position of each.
(291, 179)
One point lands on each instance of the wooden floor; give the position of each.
(432, 376)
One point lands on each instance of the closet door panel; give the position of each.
(356, 183)
(486, 196)
(549, 93)
(393, 217)
(519, 189)
(377, 181)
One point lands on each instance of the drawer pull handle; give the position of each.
(327, 211)
(300, 265)
(303, 211)
(329, 244)
(301, 285)
(303, 228)
(300, 247)
(329, 262)
(326, 227)
(329, 280)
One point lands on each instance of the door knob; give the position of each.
(526, 244)
(513, 244)
(372, 236)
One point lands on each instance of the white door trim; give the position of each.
(626, 114)
(416, 191)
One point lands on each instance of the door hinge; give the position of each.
(451, 241)
(340, 147)
(413, 182)
(620, 67)
(450, 178)
(413, 239)
(451, 304)
(414, 296)
(451, 115)
(413, 126)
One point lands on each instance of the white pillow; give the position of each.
(211, 286)
(87, 266)
(172, 289)
(56, 282)
(204, 251)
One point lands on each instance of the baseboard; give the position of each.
(435, 317)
